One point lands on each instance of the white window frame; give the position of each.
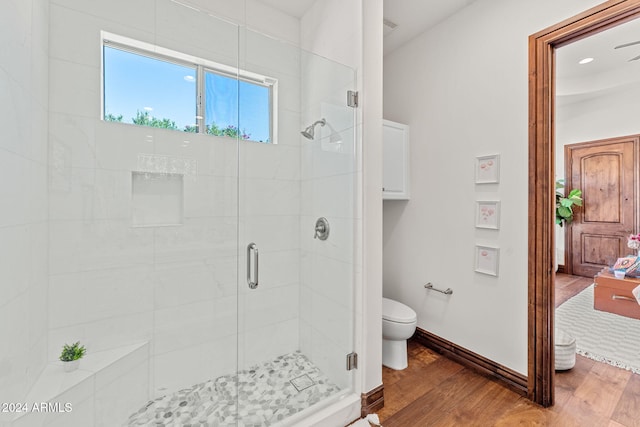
(201, 66)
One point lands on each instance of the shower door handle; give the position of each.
(251, 247)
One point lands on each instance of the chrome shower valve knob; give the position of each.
(321, 229)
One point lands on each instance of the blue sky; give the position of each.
(166, 90)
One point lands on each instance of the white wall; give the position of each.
(463, 89)
(370, 83)
(23, 191)
(606, 115)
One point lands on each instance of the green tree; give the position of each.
(143, 118)
(111, 118)
(230, 130)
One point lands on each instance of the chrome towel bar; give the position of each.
(447, 291)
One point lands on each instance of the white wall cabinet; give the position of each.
(395, 161)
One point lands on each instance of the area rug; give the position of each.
(599, 335)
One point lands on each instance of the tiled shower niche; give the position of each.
(157, 199)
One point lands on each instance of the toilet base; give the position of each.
(394, 354)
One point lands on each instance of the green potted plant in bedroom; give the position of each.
(71, 355)
(566, 203)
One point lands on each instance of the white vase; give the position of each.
(71, 366)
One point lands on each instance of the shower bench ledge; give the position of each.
(98, 371)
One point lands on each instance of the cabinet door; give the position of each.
(395, 161)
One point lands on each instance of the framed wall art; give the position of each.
(488, 214)
(488, 169)
(487, 260)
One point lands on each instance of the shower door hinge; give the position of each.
(352, 98)
(352, 361)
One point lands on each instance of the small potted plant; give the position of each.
(71, 355)
(565, 204)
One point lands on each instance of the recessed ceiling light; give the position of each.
(585, 61)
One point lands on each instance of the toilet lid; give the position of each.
(395, 311)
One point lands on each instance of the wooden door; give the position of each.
(607, 173)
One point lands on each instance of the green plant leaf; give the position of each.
(575, 193)
(564, 212)
(72, 352)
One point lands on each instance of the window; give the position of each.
(222, 96)
(150, 86)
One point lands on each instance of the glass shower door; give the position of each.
(295, 287)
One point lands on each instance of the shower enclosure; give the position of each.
(185, 255)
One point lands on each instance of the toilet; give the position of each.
(398, 324)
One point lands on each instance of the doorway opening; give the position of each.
(541, 271)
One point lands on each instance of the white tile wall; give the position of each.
(276, 162)
(268, 305)
(186, 367)
(117, 400)
(318, 31)
(267, 342)
(190, 324)
(196, 239)
(272, 197)
(23, 205)
(188, 282)
(86, 194)
(272, 22)
(17, 33)
(287, 134)
(266, 53)
(204, 36)
(103, 334)
(333, 196)
(71, 145)
(157, 199)
(76, 298)
(207, 196)
(99, 244)
(67, 46)
(140, 15)
(74, 88)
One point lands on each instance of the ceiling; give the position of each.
(610, 69)
(412, 17)
(295, 8)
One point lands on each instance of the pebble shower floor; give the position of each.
(269, 393)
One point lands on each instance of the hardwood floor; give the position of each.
(568, 286)
(435, 391)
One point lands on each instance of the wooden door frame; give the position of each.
(542, 182)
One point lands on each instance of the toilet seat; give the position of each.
(395, 311)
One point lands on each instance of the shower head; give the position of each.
(310, 130)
